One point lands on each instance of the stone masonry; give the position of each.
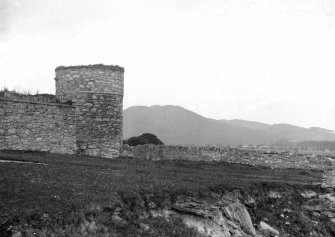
(97, 91)
(26, 125)
(84, 117)
(93, 78)
(99, 124)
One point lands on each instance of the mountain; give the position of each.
(176, 125)
(247, 124)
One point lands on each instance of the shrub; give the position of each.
(145, 138)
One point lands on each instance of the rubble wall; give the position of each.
(92, 78)
(99, 124)
(27, 125)
(231, 155)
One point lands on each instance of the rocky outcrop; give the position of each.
(227, 217)
(267, 230)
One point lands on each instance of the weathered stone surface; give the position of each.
(309, 194)
(329, 196)
(226, 218)
(37, 126)
(237, 213)
(92, 78)
(274, 195)
(250, 202)
(267, 230)
(98, 132)
(329, 178)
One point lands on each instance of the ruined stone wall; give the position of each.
(85, 115)
(93, 78)
(231, 155)
(99, 124)
(44, 98)
(27, 125)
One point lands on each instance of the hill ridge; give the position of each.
(177, 125)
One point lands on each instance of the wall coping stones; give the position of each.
(12, 95)
(36, 102)
(92, 66)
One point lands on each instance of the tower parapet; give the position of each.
(90, 78)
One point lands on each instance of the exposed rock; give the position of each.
(329, 196)
(88, 227)
(208, 227)
(17, 234)
(92, 227)
(330, 162)
(145, 227)
(274, 195)
(267, 230)
(225, 218)
(330, 214)
(117, 210)
(286, 210)
(328, 178)
(118, 220)
(238, 213)
(265, 219)
(152, 205)
(250, 202)
(309, 194)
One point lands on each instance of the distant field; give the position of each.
(53, 193)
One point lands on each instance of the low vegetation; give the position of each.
(145, 138)
(30, 96)
(18, 92)
(67, 195)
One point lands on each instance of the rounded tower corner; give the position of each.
(97, 91)
(71, 80)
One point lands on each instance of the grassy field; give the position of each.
(62, 195)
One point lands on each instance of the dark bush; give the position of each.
(145, 138)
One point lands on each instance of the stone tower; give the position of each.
(97, 93)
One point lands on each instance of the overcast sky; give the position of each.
(268, 61)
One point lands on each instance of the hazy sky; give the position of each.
(269, 61)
